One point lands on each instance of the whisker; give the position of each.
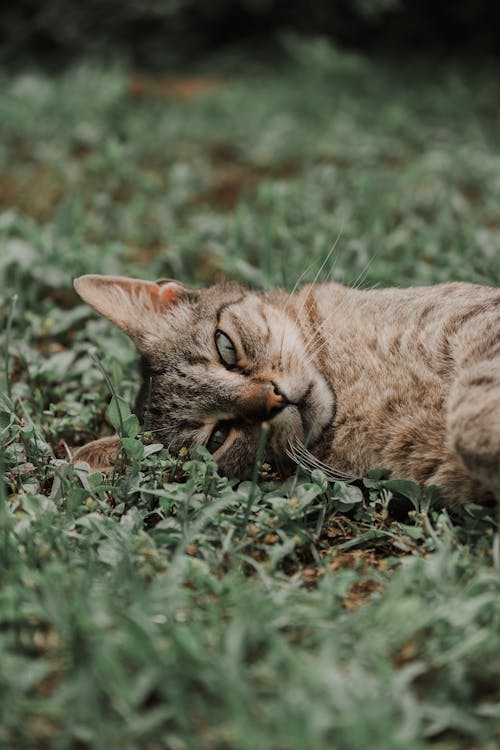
(309, 348)
(315, 353)
(306, 270)
(302, 275)
(312, 342)
(364, 272)
(327, 258)
(330, 252)
(307, 466)
(301, 455)
(289, 298)
(309, 352)
(344, 476)
(157, 429)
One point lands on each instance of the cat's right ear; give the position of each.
(135, 305)
(100, 454)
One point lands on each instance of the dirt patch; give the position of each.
(35, 191)
(233, 181)
(359, 592)
(180, 88)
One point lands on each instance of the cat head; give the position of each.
(216, 363)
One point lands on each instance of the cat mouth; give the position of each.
(304, 419)
(302, 402)
(275, 411)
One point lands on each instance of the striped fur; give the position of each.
(405, 379)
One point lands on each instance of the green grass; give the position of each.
(164, 606)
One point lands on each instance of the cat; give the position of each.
(347, 379)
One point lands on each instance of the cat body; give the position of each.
(347, 379)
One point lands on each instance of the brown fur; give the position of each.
(405, 379)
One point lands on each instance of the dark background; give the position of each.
(153, 34)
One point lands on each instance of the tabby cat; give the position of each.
(347, 379)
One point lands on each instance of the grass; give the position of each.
(163, 606)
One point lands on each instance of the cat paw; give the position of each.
(100, 455)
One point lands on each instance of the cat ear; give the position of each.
(99, 454)
(135, 305)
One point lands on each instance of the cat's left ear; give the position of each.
(100, 454)
(135, 305)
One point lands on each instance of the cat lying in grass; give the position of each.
(348, 380)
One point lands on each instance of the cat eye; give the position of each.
(218, 436)
(226, 349)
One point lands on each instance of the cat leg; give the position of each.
(101, 454)
(473, 420)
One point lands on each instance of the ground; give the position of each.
(163, 606)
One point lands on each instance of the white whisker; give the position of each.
(302, 275)
(314, 354)
(313, 342)
(327, 258)
(158, 429)
(304, 458)
(289, 298)
(363, 273)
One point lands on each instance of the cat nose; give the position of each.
(275, 400)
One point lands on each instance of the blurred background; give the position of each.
(155, 33)
(244, 138)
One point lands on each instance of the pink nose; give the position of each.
(274, 399)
